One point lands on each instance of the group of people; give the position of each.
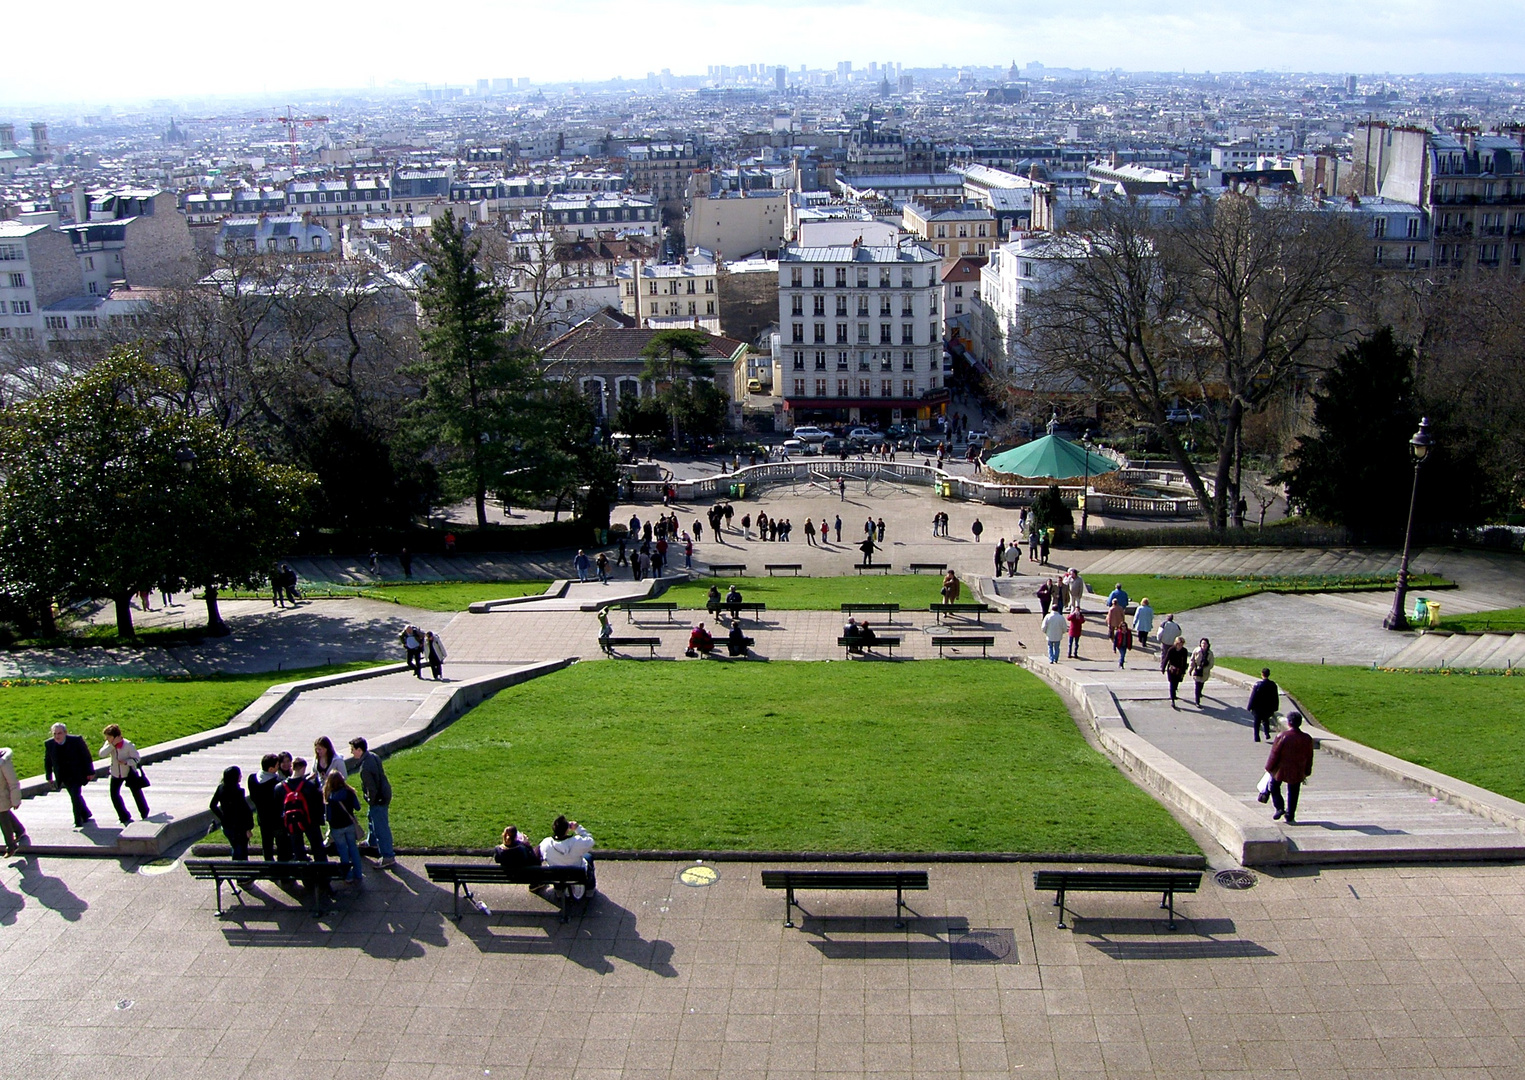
(291, 800)
(860, 635)
(701, 642)
(283, 586)
(420, 646)
(568, 845)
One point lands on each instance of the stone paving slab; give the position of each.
(1361, 972)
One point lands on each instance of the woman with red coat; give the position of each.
(1290, 763)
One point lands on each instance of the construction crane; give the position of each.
(291, 120)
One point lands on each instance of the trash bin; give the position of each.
(1434, 613)
(945, 489)
(1421, 609)
(738, 491)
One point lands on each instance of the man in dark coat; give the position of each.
(1265, 699)
(1290, 763)
(67, 764)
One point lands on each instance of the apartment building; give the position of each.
(586, 217)
(676, 296)
(737, 223)
(37, 268)
(608, 364)
(131, 236)
(662, 170)
(952, 232)
(862, 333)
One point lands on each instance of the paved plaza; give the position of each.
(120, 970)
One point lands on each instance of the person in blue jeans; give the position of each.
(378, 797)
(343, 811)
(1054, 628)
(581, 563)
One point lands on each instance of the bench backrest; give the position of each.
(485, 873)
(209, 869)
(1117, 880)
(844, 879)
(962, 639)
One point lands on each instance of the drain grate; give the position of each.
(1236, 879)
(989, 945)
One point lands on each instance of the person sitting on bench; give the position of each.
(714, 596)
(515, 852)
(700, 641)
(569, 845)
(866, 634)
(736, 642)
(852, 630)
(733, 597)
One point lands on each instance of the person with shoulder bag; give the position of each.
(10, 798)
(343, 810)
(230, 808)
(124, 765)
(1201, 667)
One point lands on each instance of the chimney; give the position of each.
(81, 204)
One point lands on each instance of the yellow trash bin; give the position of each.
(1434, 613)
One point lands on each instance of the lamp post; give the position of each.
(1419, 449)
(1085, 492)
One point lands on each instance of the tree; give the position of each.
(670, 354)
(1049, 512)
(1354, 470)
(477, 391)
(570, 461)
(110, 490)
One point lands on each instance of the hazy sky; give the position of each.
(182, 50)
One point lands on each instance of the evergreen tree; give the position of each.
(669, 354)
(480, 395)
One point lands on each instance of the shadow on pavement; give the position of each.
(49, 891)
(607, 932)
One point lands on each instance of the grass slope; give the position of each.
(426, 595)
(1168, 594)
(1471, 727)
(781, 756)
(1501, 621)
(149, 711)
(819, 594)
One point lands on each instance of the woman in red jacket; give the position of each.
(1290, 763)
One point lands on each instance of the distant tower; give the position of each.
(1350, 84)
(7, 136)
(40, 138)
(779, 76)
(1014, 73)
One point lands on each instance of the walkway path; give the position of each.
(380, 708)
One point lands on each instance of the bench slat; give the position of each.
(1167, 883)
(880, 880)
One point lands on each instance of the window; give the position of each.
(797, 334)
(885, 334)
(820, 333)
(862, 307)
(820, 388)
(818, 305)
(886, 387)
(841, 361)
(906, 310)
(887, 361)
(863, 388)
(884, 277)
(86, 322)
(1379, 227)
(709, 307)
(982, 231)
(1026, 270)
(841, 333)
(841, 306)
(692, 287)
(5, 333)
(908, 388)
(958, 290)
(799, 387)
(55, 322)
(863, 333)
(89, 262)
(942, 232)
(797, 277)
(709, 285)
(841, 277)
(1413, 228)
(907, 361)
(842, 387)
(981, 248)
(21, 307)
(820, 360)
(963, 232)
(942, 249)
(799, 361)
(818, 277)
(11, 253)
(693, 307)
(863, 278)
(907, 335)
(905, 279)
(18, 281)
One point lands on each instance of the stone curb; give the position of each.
(554, 590)
(256, 716)
(1244, 835)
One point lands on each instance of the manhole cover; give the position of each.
(1236, 879)
(699, 876)
(992, 945)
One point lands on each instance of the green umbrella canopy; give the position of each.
(1052, 457)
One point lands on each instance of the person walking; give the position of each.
(1045, 594)
(581, 564)
(601, 564)
(1170, 633)
(842, 489)
(950, 589)
(1143, 622)
(122, 762)
(10, 798)
(378, 797)
(1201, 667)
(1265, 699)
(1032, 543)
(977, 528)
(342, 809)
(434, 650)
(264, 793)
(1122, 641)
(1000, 556)
(405, 557)
(1013, 557)
(1116, 622)
(1174, 660)
(1076, 621)
(838, 528)
(880, 529)
(231, 811)
(1043, 543)
(302, 813)
(413, 647)
(1118, 595)
(1290, 762)
(621, 560)
(810, 532)
(1053, 633)
(867, 547)
(67, 764)
(1077, 588)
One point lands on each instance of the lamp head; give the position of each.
(1420, 444)
(185, 457)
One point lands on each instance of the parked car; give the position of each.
(835, 446)
(918, 444)
(864, 435)
(1181, 416)
(811, 434)
(900, 431)
(795, 447)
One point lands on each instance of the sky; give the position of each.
(191, 50)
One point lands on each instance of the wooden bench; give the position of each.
(936, 567)
(1165, 882)
(877, 609)
(317, 876)
(464, 875)
(633, 609)
(889, 642)
(772, 566)
(977, 610)
(716, 569)
(955, 641)
(609, 644)
(721, 607)
(899, 880)
(860, 567)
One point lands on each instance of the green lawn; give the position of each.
(427, 595)
(1471, 727)
(973, 756)
(149, 710)
(1502, 620)
(1168, 594)
(819, 594)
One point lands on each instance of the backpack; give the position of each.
(294, 808)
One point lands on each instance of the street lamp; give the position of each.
(1085, 492)
(185, 457)
(1419, 449)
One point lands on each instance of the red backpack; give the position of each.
(294, 808)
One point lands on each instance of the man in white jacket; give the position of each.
(10, 798)
(569, 845)
(1054, 628)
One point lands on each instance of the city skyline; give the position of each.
(1300, 36)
